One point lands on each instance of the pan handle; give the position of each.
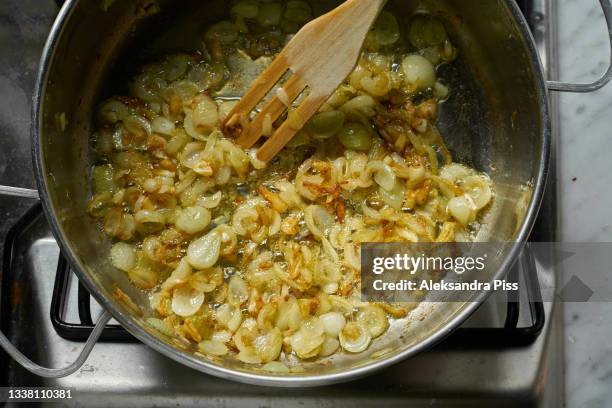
(18, 192)
(36, 369)
(606, 6)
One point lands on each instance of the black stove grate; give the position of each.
(508, 336)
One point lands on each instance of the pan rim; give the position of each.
(129, 323)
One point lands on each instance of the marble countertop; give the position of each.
(585, 196)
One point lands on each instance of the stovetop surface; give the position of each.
(130, 374)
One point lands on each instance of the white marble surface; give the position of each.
(585, 188)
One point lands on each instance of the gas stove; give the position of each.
(507, 354)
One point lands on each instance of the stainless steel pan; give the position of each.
(497, 120)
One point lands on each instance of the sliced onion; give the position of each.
(186, 300)
(276, 367)
(113, 111)
(355, 337)
(333, 322)
(245, 335)
(149, 221)
(123, 256)
(454, 172)
(249, 356)
(318, 220)
(383, 174)
(238, 291)
(222, 336)
(461, 209)
(204, 252)
(245, 214)
(395, 197)
(193, 219)
(268, 345)
(137, 125)
(374, 319)
(360, 106)
(191, 154)
(313, 327)
(329, 346)
(267, 315)
(416, 174)
(289, 315)
(479, 190)
(213, 348)
(229, 316)
(178, 276)
(161, 326)
(304, 345)
(175, 66)
(163, 126)
(419, 72)
(143, 277)
(211, 201)
(223, 175)
(205, 114)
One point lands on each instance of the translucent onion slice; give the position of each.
(143, 277)
(419, 72)
(330, 288)
(238, 291)
(137, 125)
(318, 220)
(479, 190)
(454, 172)
(186, 300)
(249, 356)
(267, 315)
(395, 197)
(276, 367)
(222, 336)
(333, 322)
(123, 256)
(213, 348)
(193, 219)
(211, 201)
(229, 316)
(178, 276)
(269, 345)
(374, 319)
(112, 111)
(245, 336)
(384, 175)
(305, 346)
(355, 337)
(161, 326)
(360, 106)
(289, 315)
(329, 346)
(460, 208)
(204, 115)
(163, 126)
(148, 221)
(204, 252)
(313, 327)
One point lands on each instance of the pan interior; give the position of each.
(493, 121)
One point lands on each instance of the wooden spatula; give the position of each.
(320, 56)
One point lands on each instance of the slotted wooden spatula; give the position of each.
(320, 56)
